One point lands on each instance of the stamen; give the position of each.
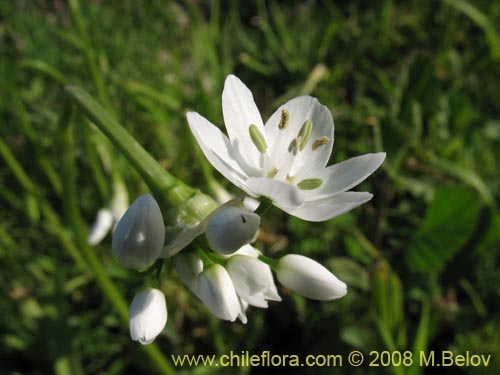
(289, 179)
(257, 138)
(272, 172)
(320, 142)
(310, 183)
(285, 119)
(294, 146)
(305, 134)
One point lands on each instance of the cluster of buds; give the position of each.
(221, 269)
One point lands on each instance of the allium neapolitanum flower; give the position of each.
(252, 278)
(284, 160)
(139, 235)
(147, 315)
(244, 276)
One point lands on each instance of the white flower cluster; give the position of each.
(284, 162)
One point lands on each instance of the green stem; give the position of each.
(167, 189)
(264, 206)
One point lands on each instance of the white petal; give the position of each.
(147, 315)
(327, 208)
(242, 316)
(251, 278)
(188, 267)
(101, 226)
(309, 278)
(217, 292)
(272, 294)
(301, 109)
(217, 149)
(248, 250)
(240, 111)
(281, 193)
(343, 176)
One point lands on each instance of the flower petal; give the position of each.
(327, 208)
(343, 176)
(240, 111)
(217, 293)
(301, 109)
(217, 148)
(281, 193)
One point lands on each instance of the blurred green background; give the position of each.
(417, 79)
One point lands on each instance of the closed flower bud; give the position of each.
(139, 236)
(216, 291)
(309, 278)
(147, 315)
(231, 228)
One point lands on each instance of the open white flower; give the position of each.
(147, 315)
(284, 160)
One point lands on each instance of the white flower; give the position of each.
(309, 278)
(252, 279)
(284, 160)
(216, 291)
(231, 228)
(139, 236)
(107, 217)
(147, 315)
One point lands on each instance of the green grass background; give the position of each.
(417, 79)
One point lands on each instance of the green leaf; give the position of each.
(449, 221)
(387, 302)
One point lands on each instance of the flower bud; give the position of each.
(231, 228)
(216, 291)
(309, 278)
(139, 236)
(147, 315)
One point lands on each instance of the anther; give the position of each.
(257, 138)
(272, 172)
(320, 142)
(285, 119)
(310, 183)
